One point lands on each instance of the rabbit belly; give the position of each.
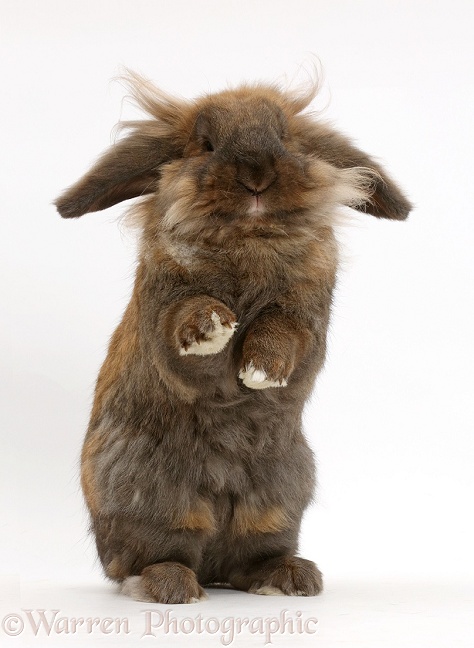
(197, 488)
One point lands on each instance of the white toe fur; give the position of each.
(133, 587)
(257, 379)
(218, 339)
(267, 590)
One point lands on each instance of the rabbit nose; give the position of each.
(257, 189)
(257, 176)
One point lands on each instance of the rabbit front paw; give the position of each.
(259, 377)
(206, 332)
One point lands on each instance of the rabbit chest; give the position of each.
(166, 424)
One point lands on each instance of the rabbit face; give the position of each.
(240, 172)
(246, 167)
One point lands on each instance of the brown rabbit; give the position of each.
(194, 467)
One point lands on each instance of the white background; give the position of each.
(391, 419)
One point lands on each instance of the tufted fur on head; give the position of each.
(194, 468)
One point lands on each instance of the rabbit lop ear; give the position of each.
(128, 169)
(387, 200)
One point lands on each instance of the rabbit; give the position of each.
(194, 467)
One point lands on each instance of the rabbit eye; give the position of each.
(208, 146)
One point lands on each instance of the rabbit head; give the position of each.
(246, 160)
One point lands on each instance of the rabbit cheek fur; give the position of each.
(194, 467)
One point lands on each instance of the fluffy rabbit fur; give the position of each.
(194, 467)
